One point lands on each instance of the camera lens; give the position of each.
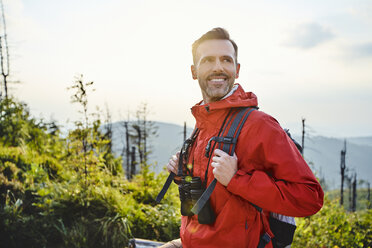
(196, 183)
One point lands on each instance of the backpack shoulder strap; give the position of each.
(229, 143)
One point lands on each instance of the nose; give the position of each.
(217, 67)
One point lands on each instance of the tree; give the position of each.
(142, 130)
(125, 152)
(108, 128)
(303, 136)
(184, 131)
(354, 197)
(4, 49)
(81, 97)
(343, 170)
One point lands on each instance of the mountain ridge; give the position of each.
(322, 153)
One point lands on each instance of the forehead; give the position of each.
(215, 48)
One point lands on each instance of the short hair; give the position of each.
(214, 34)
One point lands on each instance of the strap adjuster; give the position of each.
(264, 240)
(218, 139)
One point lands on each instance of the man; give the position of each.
(266, 170)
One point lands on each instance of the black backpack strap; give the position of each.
(182, 156)
(165, 187)
(235, 129)
(229, 143)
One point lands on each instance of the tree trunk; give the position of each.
(342, 167)
(133, 162)
(353, 207)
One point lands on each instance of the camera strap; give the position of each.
(181, 161)
(237, 120)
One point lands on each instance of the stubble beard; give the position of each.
(217, 93)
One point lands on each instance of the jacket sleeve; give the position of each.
(272, 173)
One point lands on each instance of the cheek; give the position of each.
(232, 69)
(203, 73)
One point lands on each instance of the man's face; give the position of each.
(215, 68)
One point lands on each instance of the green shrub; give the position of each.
(334, 227)
(71, 192)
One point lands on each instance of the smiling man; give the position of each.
(266, 174)
(215, 67)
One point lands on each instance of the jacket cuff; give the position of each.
(233, 185)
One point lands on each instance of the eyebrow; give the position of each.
(212, 57)
(228, 57)
(207, 57)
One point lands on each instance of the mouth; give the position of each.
(217, 79)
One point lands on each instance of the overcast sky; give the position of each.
(310, 59)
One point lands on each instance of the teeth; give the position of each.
(217, 80)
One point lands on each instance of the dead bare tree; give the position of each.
(349, 184)
(125, 139)
(303, 136)
(343, 168)
(126, 148)
(184, 131)
(369, 195)
(108, 128)
(143, 130)
(354, 193)
(138, 137)
(4, 62)
(133, 162)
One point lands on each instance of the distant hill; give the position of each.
(325, 154)
(322, 153)
(361, 140)
(168, 141)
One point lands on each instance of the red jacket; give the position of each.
(271, 174)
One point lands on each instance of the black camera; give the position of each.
(190, 189)
(185, 196)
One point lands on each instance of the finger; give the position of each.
(220, 153)
(216, 159)
(171, 167)
(174, 159)
(173, 163)
(214, 164)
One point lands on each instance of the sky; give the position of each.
(303, 59)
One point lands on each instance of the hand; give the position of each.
(172, 165)
(224, 166)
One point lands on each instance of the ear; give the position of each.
(237, 70)
(193, 72)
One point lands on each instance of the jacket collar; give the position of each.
(239, 98)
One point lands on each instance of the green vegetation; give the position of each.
(361, 199)
(72, 192)
(334, 227)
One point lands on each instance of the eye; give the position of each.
(227, 60)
